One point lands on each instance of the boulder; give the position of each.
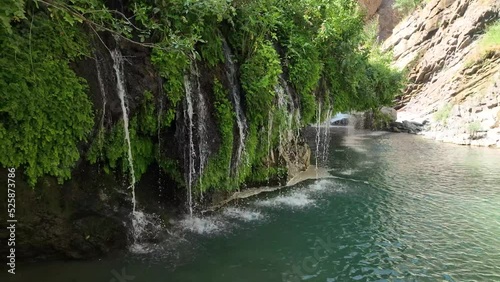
(390, 112)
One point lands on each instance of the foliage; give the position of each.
(406, 6)
(11, 11)
(474, 127)
(171, 66)
(259, 75)
(112, 150)
(44, 108)
(443, 114)
(322, 46)
(381, 120)
(216, 173)
(491, 39)
(255, 22)
(172, 168)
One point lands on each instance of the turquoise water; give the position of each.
(399, 208)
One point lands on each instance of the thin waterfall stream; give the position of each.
(122, 94)
(236, 101)
(318, 135)
(202, 115)
(188, 120)
(326, 144)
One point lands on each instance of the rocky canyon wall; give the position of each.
(384, 13)
(454, 79)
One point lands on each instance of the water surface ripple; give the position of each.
(401, 208)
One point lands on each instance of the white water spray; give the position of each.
(104, 102)
(102, 89)
(160, 114)
(236, 100)
(188, 120)
(120, 84)
(269, 149)
(318, 133)
(326, 142)
(202, 114)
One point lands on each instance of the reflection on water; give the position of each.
(399, 208)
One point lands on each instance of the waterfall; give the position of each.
(195, 119)
(104, 102)
(297, 135)
(202, 115)
(287, 107)
(269, 147)
(160, 113)
(236, 100)
(191, 154)
(102, 89)
(318, 133)
(282, 106)
(120, 85)
(326, 143)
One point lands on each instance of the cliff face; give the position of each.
(384, 13)
(453, 79)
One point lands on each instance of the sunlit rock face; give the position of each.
(453, 81)
(383, 12)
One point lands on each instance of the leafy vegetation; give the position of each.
(216, 174)
(443, 114)
(381, 120)
(474, 127)
(487, 45)
(491, 39)
(406, 6)
(44, 108)
(321, 46)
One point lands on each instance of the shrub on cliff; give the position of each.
(406, 6)
(44, 108)
(490, 42)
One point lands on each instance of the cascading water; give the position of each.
(318, 134)
(269, 147)
(104, 102)
(160, 114)
(120, 85)
(191, 153)
(141, 222)
(202, 115)
(287, 107)
(326, 143)
(195, 119)
(236, 100)
(102, 89)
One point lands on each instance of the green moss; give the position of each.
(305, 71)
(211, 48)
(172, 67)
(171, 168)
(111, 149)
(327, 56)
(381, 120)
(259, 75)
(217, 174)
